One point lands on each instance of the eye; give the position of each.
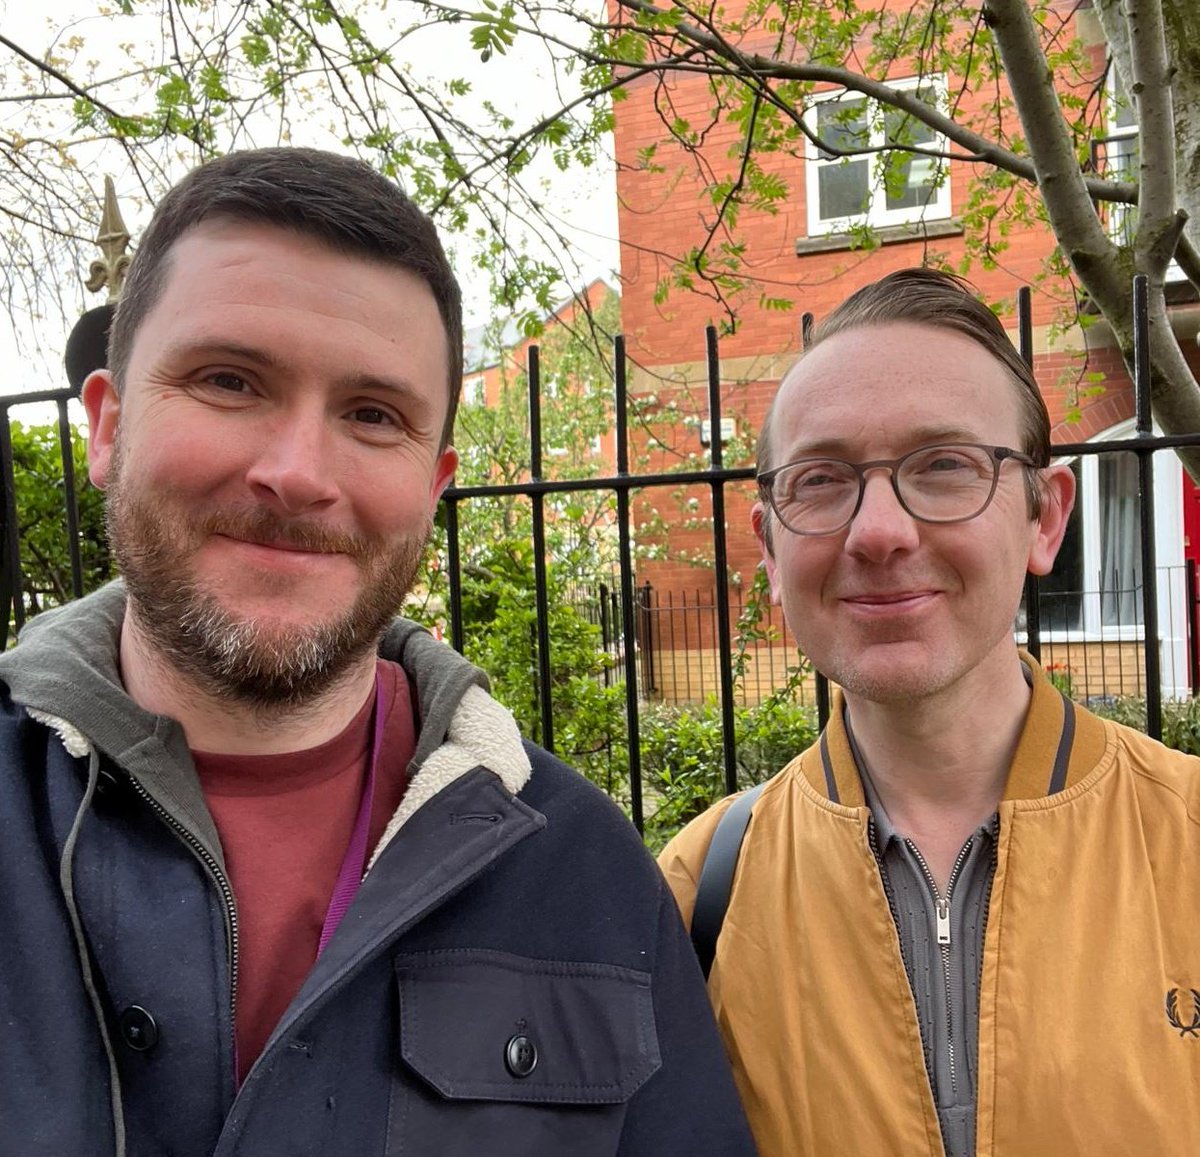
(227, 381)
(819, 476)
(377, 423)
(371, 416)
(944, 460)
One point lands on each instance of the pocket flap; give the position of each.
(482, 1025)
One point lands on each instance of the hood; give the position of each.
(65, 665)
(65, 672)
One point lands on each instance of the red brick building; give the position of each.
(806, 251)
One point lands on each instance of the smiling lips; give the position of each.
(890, 600)
(280, 550)
(279, 544)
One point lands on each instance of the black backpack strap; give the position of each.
(716, 876)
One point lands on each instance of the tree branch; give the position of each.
(1157, 229)
(754, 67)
(1188, 259)
(1065, 193)
(62, 78)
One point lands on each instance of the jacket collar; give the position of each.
(1059, 745)
(482, 733)
(64, 672)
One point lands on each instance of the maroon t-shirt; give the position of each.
(285, 822)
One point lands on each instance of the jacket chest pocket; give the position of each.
(505, 1055)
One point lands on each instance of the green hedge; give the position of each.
(683, 761)
(683, 765)
(1180, 719)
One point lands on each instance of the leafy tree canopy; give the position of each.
(400, 84)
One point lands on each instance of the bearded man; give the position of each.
(282, 876)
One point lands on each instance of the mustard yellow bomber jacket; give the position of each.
(1089, 1018)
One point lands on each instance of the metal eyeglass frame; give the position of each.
(766, 482)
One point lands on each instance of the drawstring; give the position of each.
(67, 884)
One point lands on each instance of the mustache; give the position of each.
(267, 529)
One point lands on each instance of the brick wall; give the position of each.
(662, 213)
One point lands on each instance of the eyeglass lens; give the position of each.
(935, 483)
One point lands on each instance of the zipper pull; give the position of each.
(943, 921)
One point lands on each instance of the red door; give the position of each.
(1191, 541)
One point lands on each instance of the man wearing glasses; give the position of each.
(965, 921)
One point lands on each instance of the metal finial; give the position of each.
(113, 240)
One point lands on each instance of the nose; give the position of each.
(293, 469)
(882, 526)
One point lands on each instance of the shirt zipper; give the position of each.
(873, 841)
(219, 878)
(942, 928)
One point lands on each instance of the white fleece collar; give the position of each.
(482, 732)
(73, 739)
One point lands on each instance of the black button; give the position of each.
(106, 782)
(138, 1029)
(520, 1056)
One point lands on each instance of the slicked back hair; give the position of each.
(339, 201)
(941, 301)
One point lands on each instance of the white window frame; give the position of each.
(1116, 132)
(1122, 218)
(1168, 538)
(877, 213)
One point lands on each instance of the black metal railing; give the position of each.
(629, 613)
(1089, 633)
(12, 600)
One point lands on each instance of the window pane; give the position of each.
(842, 124)
(1122, 114)
(900, 128)
(910, 180)
(1061, 591)
(1121, 158)
(1120, 565)
(845, 189)
(1120, 164)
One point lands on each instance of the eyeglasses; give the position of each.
(952, 482)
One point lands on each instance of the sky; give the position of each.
(584, 202)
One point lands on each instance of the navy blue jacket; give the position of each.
(511, 979)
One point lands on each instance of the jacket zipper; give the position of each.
(942, 929)
(218, 876)
(873, 841)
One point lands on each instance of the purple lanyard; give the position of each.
(354, 861)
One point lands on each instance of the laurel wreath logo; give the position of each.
(1192, 1029)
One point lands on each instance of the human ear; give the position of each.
(760, 519)
(103, 406)
(1057, 487)
(443, 472)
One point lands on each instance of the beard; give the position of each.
(249, 660)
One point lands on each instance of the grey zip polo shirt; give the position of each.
(941, 940)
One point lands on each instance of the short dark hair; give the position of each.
(942, 301)
(337, 200)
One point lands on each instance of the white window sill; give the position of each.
(884, 235)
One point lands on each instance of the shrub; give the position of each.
(41, 504)
(683, 764)
(1180, 719)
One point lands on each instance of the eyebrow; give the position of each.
(195, 347)
(349, 383)
(843, 448)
